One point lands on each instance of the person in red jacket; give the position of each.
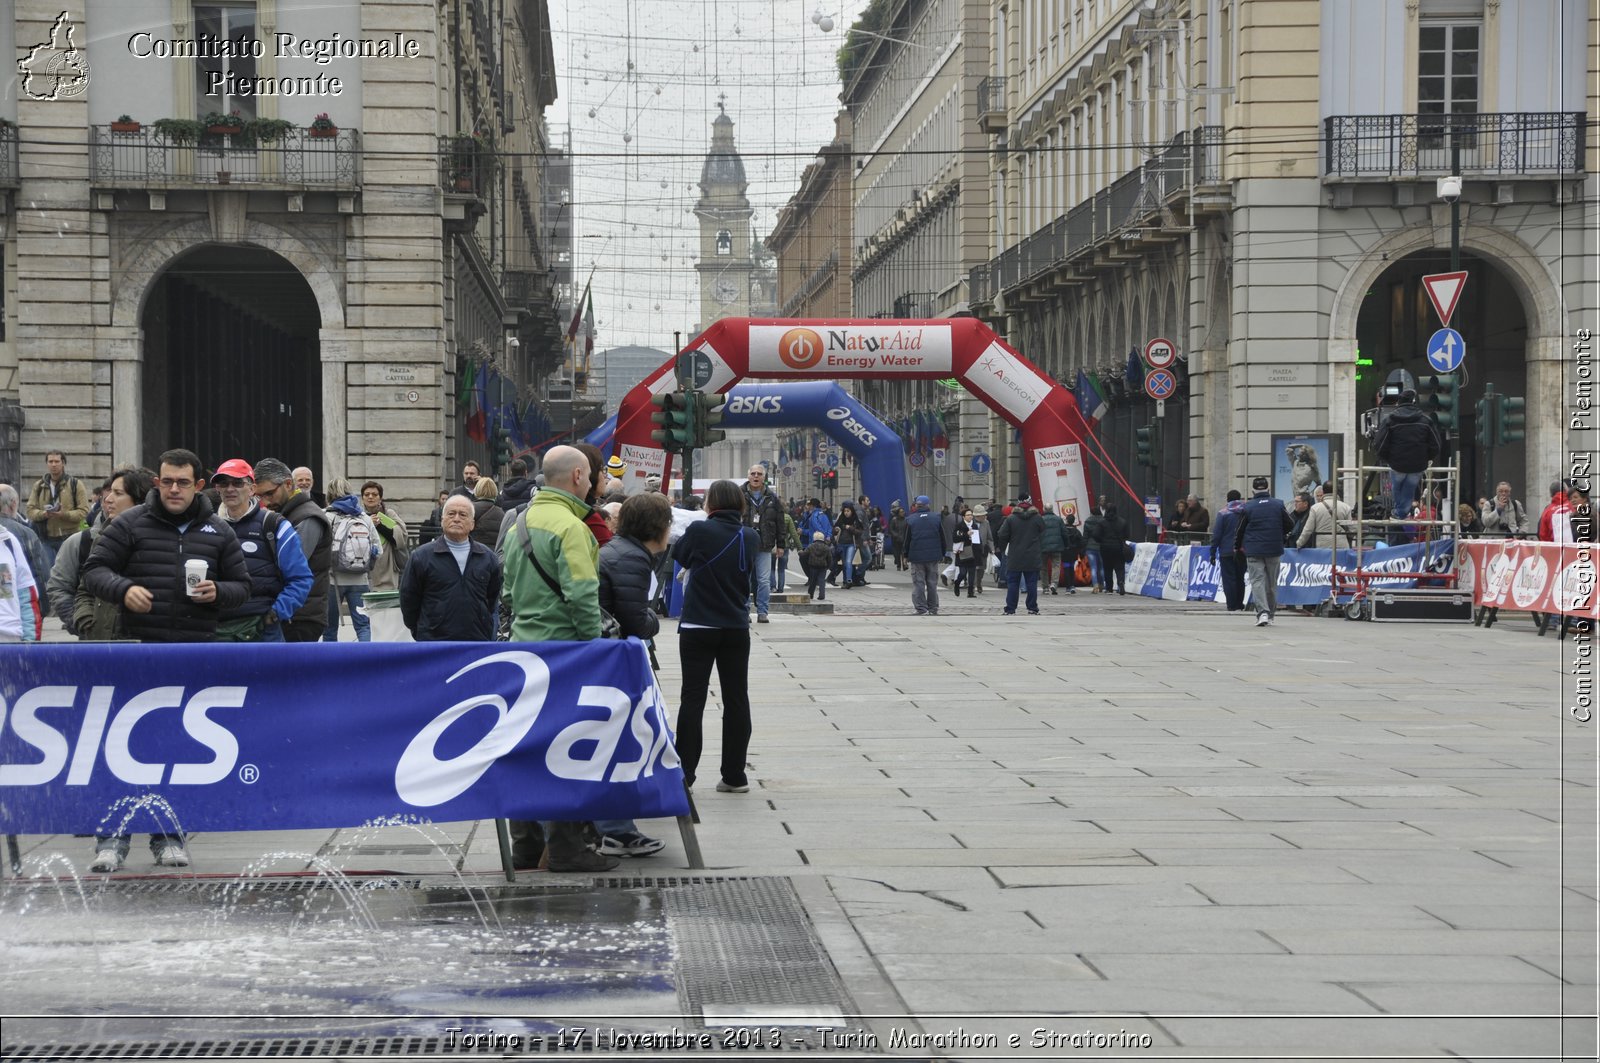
(1554, 522)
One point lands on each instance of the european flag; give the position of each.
(1091, 403)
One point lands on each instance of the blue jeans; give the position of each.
(1403, 486)
(1014, 583)
(780, 571)
(763, 582)
(354, 596)
(849, 554)
(272, 633)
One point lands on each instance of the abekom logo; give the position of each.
(800, 348)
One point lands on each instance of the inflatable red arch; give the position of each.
(1054, 435)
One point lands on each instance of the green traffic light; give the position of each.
(1513, 419)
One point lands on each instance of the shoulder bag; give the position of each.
(609, 628)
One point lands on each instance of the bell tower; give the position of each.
(724, 212)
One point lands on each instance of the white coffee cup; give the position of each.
(194, 570)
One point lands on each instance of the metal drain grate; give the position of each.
(744, 954)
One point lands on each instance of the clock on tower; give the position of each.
(724, 212)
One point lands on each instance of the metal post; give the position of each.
(1491, 437)
(1455, 203)
(502, 833)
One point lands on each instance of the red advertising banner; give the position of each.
(1530, 576)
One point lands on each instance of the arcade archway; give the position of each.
(232, 365)
(1054, 436)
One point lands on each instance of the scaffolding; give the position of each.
(1360, 590)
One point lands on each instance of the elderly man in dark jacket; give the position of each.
(450, 588)
(1022, 538)
(1263, 523)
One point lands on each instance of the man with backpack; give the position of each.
(355, 549)
(58, 504)
(280, 576)
(275, 489)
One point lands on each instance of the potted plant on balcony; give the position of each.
(267, 130)
(465, 151)
(179, 130)
(321, 127)
(219, 124)
(125, 124)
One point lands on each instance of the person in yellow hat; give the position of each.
(615, 468)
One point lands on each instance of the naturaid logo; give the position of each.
(56, 69)
(800, 348)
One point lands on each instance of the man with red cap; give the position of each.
(280, 577)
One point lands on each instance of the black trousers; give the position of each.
(1232, 572)
(729, 649)
(1113, 563)
(304, 630)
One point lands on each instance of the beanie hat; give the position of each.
(615, 467)
(1259, 483)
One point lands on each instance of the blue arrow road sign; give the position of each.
(833, 461)
(980, 464)
(1446, 350)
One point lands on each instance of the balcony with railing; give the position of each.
(1139, 201)
(299, 159)
(992, 104)
(9, 170)
(466, 165)
(1390, 147)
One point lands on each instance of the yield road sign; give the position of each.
(1160, 353)
(1160, 383)
(1446, 350)
(980, 463)
(1444, 291)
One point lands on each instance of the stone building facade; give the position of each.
(1242, 177)
(308, 289)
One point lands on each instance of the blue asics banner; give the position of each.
(265, 737)
(1304, 576)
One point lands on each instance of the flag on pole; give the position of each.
(1091, 404)
(577, 318)
(588, 328)
(1135, 373)
(464, 382)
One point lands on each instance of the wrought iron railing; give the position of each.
(813, 283)
(991, 95)
(295, 160)
(466, 164)
(1131, 201)
(1533, 144)
(9, 171)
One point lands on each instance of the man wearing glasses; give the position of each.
(275, 490)
(763, 512)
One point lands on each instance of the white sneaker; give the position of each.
(172, 856)
(1262, 620)
(105, 862)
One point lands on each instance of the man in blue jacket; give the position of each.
(925, 550)
(1263, 524)
(1230, 571)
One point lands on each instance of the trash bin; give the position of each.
(383, 609)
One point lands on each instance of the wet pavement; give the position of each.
(1123, 829)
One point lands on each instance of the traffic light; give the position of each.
(708, 412)
(1512, 419)
(1147, 440)
(676, 418)
(1441, 396)
(1488, 433)
(502, 448)
(830, 479)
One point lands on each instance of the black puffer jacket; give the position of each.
(1113, 532)
(144, 548)
(440, 603)
(1409, 439)
(515, 493)
(1022, 535)
(316, 537)
(625, 571)
(489, 517)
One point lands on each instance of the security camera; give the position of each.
(1449, 188)
(513, 343)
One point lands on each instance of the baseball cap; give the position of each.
(1259, 483)
(234, 469)
(615, 467)
(923, 500)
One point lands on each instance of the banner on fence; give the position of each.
(1176, 573)
(264, 737)
(1531, 576)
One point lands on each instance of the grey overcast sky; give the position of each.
(639, 82)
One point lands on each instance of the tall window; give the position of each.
(1447, 67)
(215, 24)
